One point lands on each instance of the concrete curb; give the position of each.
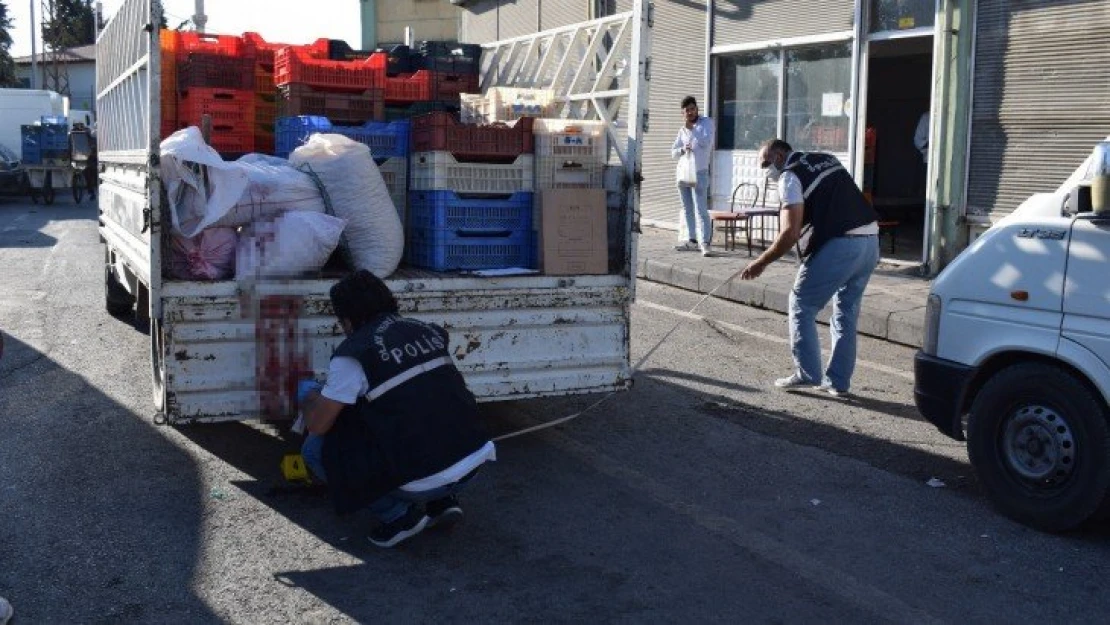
(884, 316)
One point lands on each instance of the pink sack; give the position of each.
(208, 256)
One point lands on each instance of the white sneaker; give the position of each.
(832, 390)
(6, 611)
(705, 249)
(794, 381)
(687, 246)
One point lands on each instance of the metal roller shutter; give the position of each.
(479, 22)
(556, 13)
(519, 17)
(679, 26)
(1041, 97)
(749, 22)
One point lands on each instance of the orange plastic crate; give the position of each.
(294, 65)
(426, 85)
(264, 81)
(265, 112)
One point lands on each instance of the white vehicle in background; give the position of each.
(26, 106)
(1016, 357)
(513, 337)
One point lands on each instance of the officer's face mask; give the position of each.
(773, 171)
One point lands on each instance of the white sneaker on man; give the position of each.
(793, 382)
(705, 251)
(686, 246)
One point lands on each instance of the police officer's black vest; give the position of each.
(833, 203)
(417, 419)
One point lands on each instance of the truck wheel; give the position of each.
(117, 300)
(158, 365)
(1040, 444)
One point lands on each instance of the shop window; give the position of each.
(818, 104)
(748, 100)
(902, 14)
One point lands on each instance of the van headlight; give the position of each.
(932, 325)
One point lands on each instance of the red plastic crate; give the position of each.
(442, 132)
(267, 51)
(426, 85)
(264, 142)
(294, 65)
(186, 43)
(264, 81)
(230, 110)
(213, 71)
(341, 108)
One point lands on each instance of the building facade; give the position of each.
(385, 22)
(949, 113)
(80, 65)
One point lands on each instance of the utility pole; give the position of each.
(34, 55)
(200, 19)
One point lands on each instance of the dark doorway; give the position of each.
(898, 94)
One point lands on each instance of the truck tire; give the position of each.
(117, 300)
(1039, 441)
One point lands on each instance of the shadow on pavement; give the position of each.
(99, 515)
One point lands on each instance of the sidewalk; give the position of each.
(893, 305)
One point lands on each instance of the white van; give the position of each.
(26, 106)
(1016, 356)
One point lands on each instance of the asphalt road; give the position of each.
(702, 495)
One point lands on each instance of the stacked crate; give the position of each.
(210, 75)
(470, 194)
(45, 143)
(429, 78)
(346, 91)
(265, 91)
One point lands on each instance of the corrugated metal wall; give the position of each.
(479, 22)
(519, 17)
(750, 21)
(556, 13)
(677, 70)
(1041, 97)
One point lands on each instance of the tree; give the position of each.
(72, 25)
(7, 66)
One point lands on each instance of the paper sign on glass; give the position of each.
(832, 104)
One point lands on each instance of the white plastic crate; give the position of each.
(441, 171)
(570, 138)
(553, 172)
(395, 174)
(502, 104)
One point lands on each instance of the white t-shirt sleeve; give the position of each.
(790, 189)
(346, 381)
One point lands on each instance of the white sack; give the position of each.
(233, 194)
(208, 256)
(374, 234)
(294, 244)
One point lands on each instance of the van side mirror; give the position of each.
(1079, 200)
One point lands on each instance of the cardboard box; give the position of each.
(573, 232)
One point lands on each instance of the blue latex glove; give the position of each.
(304, 387)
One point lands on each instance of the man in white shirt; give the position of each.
(696, 138)
(841, 252)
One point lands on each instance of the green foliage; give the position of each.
(72, 25)
(7, 67)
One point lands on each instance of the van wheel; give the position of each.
(118, 301)
(1039, 441)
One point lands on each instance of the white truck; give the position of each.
(214, 345)
(1016, 357)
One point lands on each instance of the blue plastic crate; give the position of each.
(446, 210)
(55, 137)
(385, 139)
(468, 249)
(31, 144)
